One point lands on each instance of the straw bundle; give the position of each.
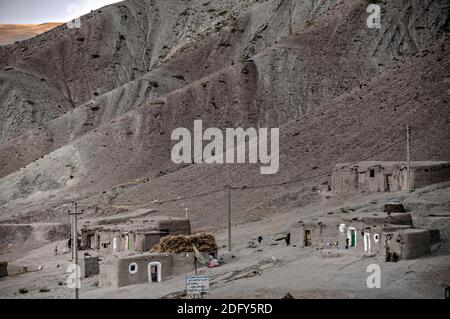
(205, 242)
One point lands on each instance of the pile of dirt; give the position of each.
(205, 242)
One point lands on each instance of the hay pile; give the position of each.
(205, 242)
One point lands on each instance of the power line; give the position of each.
(201, 195)
(205, 194)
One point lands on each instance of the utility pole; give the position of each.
(408, 157)
(229, 207)
(74, 247)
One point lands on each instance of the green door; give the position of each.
(353, 238)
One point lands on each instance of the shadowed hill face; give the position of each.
(337, 90)
(10, 33)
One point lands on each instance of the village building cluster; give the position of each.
(142, 247)
(120, 249)
(122, 244)
(391, 233)
(140, 234)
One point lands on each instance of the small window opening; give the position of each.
(133, 268)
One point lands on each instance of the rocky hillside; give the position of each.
(87, 114)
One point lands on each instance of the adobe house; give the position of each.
(406, 244)
(374, 176)
(130, 234)
(367, 234)
(124, 270)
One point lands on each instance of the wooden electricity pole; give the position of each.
(229, 207)
(408, 157)
(74, 247)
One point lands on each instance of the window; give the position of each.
(376, 238)
(372, 173)
(133, 268)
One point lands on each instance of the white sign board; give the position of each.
(197, 284)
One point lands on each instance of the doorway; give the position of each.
(115, 244)
(367, 244)
(154, 272)
(89, 242)
(307, 238)
(127, 239)
(352, 236)
(128, 245)
(387, 182)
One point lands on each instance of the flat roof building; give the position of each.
(373, 176)
(391, 235)
(130, 233)
(124, 270)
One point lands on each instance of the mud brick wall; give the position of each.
(114, 272)
(175, 227)
(90, 266)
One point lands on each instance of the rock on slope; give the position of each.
(338, 90)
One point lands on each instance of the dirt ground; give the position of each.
(271, 269)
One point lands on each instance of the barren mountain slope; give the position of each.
(310, 68)
(352, 90)
(114, 46)
(252, 31)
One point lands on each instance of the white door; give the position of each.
(367, 242)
